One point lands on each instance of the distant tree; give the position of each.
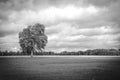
(119, 49)
(33, 38)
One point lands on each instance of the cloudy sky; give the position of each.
(70, 24)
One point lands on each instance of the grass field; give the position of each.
(60, 68)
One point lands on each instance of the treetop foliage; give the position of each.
(33, 38)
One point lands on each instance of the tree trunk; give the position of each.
(33, 47)
(31, 53)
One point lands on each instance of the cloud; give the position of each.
(70, 24)
(101, 3)
(3, 0)
(52, 14)
(70, 37)
(3, 33)
(9, 42)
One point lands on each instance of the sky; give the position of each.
(71, 25)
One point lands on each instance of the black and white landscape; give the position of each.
(59, 39)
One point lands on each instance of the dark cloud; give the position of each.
(51, 32)
(101, 3)
(55, 2)
(16, 5)
(7, 33)
(3, 16)
(3, 1)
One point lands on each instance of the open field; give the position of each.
(60, 68)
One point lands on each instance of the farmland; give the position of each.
(60, 68)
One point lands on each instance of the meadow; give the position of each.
(60, 68)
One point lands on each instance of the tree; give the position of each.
(33, 38)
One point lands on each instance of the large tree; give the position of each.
(33, 38)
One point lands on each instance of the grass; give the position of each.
(60, 68)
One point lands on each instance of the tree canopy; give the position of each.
(33, 38)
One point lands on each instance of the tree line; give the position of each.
(87, 52)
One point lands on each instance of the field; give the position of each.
(60, 68)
